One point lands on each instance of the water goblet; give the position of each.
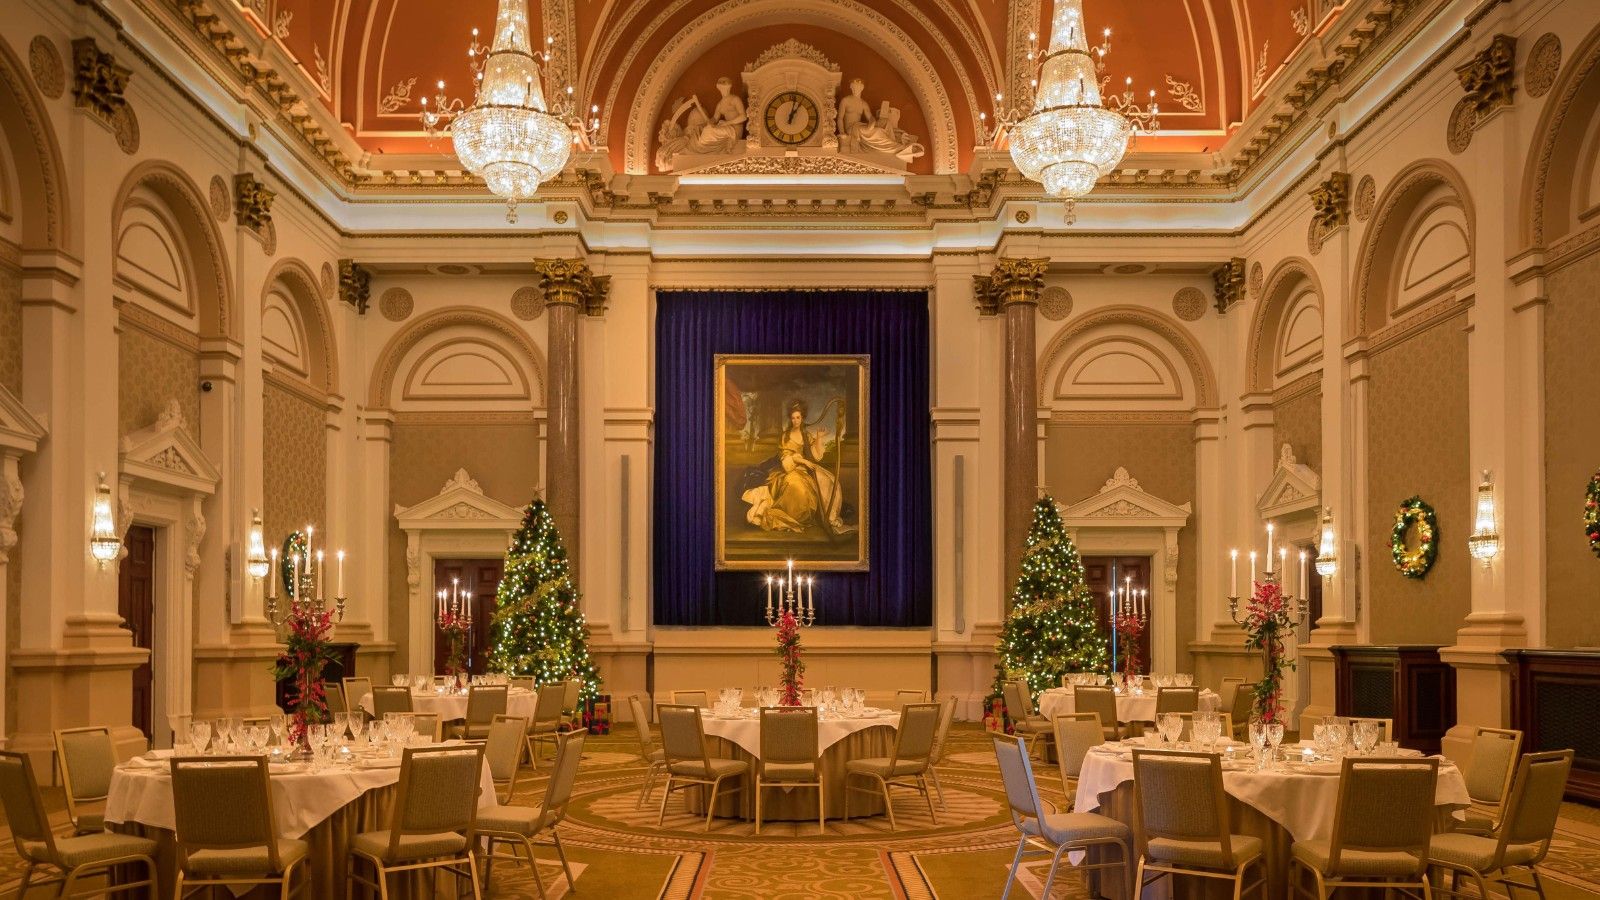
(1258, 741)
(1274, 738)
(222, 730)
(358, 724)
(1366, 736)
(200, 735)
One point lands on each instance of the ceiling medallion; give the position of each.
(1073, 137)
(510, 136)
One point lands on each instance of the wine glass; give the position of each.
(358, 724)
(1258, 740)
(1366, 736)
(1274, 738)
(200, 735)
(341, 724)
(223, 730)
(1171, 727)
(277, 723)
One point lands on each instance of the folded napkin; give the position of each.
(146, 762)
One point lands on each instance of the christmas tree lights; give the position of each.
(538, 628)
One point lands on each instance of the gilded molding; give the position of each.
(252, 202)
(355, 285)
(1489, 78)
(1228, 284)
(99, 82)
(570, 282)
(1013, 281)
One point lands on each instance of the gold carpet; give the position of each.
(618, 853)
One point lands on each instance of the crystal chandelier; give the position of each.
(510, 136)
(1072, 137)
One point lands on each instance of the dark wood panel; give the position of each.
(136, 604)
(1555, 702)
(1099, 573)
(1410, 685)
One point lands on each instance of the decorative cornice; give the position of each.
(1489, 78)
(1012, 281)
(1228, 284)
(98, 80)
(252, 202)
(355, 285)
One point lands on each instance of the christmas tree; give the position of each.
(1052, 628)
(538, 628)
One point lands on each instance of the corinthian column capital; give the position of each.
(570, 282)
(1012, 281)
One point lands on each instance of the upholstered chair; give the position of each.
(1024, 721)
(387, 699)
(1075, 734)
(87, 757)
(1489, 772)
(692, 698)
(1052, 833)
(484, 702)
(1520, 843)
(907, 767)
(941, 740)
(901, 698)
(520, 826)
(547, 718)
(502, 750)
(789, 757)
(225, 833)
(1102, 701)
(1228, 690)
(73, 859)
(1177, 700)
(689, 761)
(354, 690)
(433, 824)
(649, 750)
(1381, 831)
(1182, 821)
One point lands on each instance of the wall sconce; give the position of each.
(255, 561)
(1484, 544)
(1327, 547)
(104, 544)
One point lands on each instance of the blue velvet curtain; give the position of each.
(890, 326)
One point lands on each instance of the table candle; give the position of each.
(1233, 590)
(1303, 579)
(811, 594)
(340, 555)
(294, 584)
(1283, 565)
(1308, 756)
(1252, 573)
(1269, 548)
(272, 577)
(769, 596)
(321, 571)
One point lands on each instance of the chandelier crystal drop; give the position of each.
(508, 136)
(1071, 138)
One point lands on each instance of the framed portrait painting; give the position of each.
(791, 461)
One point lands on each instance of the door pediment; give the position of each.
(166, 453)
(1294, 488)
(460, 505)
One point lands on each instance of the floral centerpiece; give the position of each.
(1130, 628)
(307, 647)
(1267, 621)
(455, 627)
(794, 668)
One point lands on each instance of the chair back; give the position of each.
(918, 723)
(947, 715)
(484, 702)
(524, 682)
(1022, 792)
(558, 790)
(355, 689)
(1177, 700)
(683, 737)
(691, 698)
(1019, 706)
(335, 697)
(25, 815)
(1100, 700)
(1228, 690)
(1494, 761)
(572, 688)
(901, 698)
(387, 699)
(1076, 733)
(1243, 703)
(1534, 802)
(438, 793)
(1178, 796)
(426, 723)
(788, 734)
(87, 760)
(223, 803)
(1385, 806)
(503, 747)
(641, 721)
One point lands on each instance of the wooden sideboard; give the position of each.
(1409, 684)
(1555, 703)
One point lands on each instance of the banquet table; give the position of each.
(325, 808)
(452, 707)
(1293, 803)
(1130, 707)
(839, 740)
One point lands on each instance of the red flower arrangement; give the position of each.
(1267, 620)
(455, 627)
(1129, 628)
(794, 668)
(307, 649)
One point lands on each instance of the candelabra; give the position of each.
(796, 594)
(306, 586)
(1273, 576)
(454, 618)
(1302, 606)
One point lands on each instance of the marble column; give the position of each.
(570, 289)
(1013, 289)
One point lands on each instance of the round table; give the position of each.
(1294, 803)
(326, 808)
(839, 740)
(1130, 707)
(453, 707)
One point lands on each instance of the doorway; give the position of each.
(479, 580)
(136, 590)
(1100, 574)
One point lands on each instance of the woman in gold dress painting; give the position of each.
(800, 493)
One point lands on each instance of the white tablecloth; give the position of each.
(141, 791)
(449, 707)
(1130, 707)
(1300, 798)
(745, 730)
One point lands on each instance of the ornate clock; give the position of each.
(791, 117)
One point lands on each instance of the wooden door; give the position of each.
(1100, 573)
(479, 580)
(136, 589)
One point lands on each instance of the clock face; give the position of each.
(791, 117)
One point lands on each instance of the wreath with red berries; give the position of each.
(1591, 514)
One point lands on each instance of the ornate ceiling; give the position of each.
(940, 61)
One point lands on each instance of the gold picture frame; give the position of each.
(785, 492)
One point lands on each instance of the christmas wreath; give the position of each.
(1415, 563)
(1591, 513)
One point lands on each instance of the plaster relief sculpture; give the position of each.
(860, 131)
(719, 134)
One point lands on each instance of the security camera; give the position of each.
(205, 386)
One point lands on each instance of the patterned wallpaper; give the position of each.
(1298, 423)
(1417, 444)
(10, 329)
(504, 459)
(1572, 452)
(1079, 458)
(151, 372)
(294, 462)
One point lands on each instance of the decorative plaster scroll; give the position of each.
(1228, 284)
(99, 82)
(1489, 78)
(252, 201)
(197, 532)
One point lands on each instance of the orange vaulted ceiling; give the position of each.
(1210, 61)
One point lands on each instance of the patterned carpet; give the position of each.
(618, 853)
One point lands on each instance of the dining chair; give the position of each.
(1244, 698)
(907, 767)
(1177, 700)
(1489, 773)
(428, 724)
(433, 821)
(649, 751)
(1382, 826)
(387, 699)
(941, 741)
(502, 750)
(689, 761)
(1076, 734)
(524, 683)
(1532, 806)
(335, 698)
(691, 698)
(547, 718)
(1019, 709)
(518, 826)
(1183, 822)
(484, 702)
(789, 756)
(87, 758)
(1101, 700)
(573, 689)
(75, 858)
(1227, 690)
(224, 829)
(901, 698)
(1052, 833)
(354, 689)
